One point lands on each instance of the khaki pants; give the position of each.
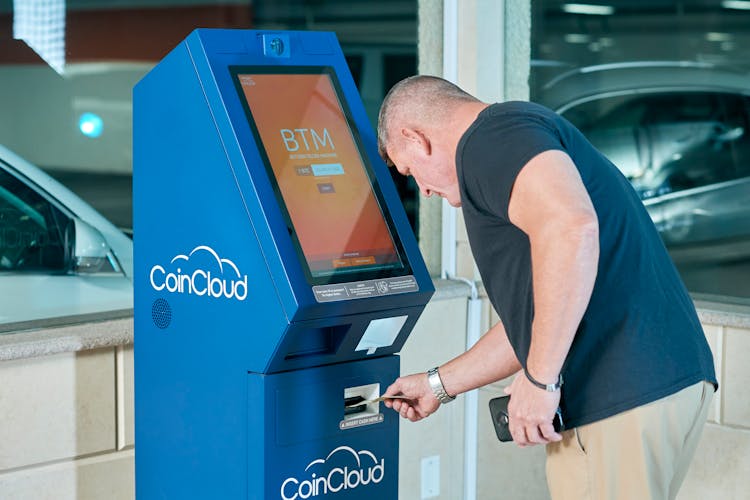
(640, 454)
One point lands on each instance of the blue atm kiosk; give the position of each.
(276, 275)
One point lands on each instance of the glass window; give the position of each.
(84, 113)
(668, 104)
(33, 233)
(669, 142)
(67, 73)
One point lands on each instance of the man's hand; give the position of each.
(421, 401)
(530, 413)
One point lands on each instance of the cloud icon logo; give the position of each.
(363, 469)
(355, 454)
(202, 273)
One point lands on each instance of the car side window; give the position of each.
(692, 138)
(672, 141)
(34, 233)
(613, 125)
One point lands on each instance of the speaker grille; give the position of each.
(161, 313)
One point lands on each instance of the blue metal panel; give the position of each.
(186, 200)
(190, 382)
(300, 450)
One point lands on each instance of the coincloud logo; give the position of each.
(360, 468)
(201, 272)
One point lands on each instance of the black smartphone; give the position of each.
(499, 414)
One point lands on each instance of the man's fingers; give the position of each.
(518, 433)
(393, 389)
(413, 415)
(396, 404)
(533, 435)
(407, 411)
(529, 434)
(548, 432)
(412, 398)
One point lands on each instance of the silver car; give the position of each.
(59, 257)
(680, 132)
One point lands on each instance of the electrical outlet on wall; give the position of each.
(431, 476)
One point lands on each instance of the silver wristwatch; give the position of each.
(436, 384)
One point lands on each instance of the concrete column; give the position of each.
(430, 62)
(493, 56)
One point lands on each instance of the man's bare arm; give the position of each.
(551, 205)
(489, 360)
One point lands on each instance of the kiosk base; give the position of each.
(310, 445)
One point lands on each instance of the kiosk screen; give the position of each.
(322, 180)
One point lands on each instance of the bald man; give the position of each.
(594, 317)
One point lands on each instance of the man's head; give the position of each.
(420, 122)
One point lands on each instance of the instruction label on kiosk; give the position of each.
(365, 289)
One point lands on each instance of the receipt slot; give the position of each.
(276, 275)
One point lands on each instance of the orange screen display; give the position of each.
(319, 172)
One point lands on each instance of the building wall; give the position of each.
(66, 429)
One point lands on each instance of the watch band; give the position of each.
(436, 384)
(545, 387)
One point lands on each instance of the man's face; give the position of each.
(433, 169)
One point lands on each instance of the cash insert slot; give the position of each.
(356, 401)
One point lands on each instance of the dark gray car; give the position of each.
(680, 132)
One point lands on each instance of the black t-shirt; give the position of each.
(640, 338)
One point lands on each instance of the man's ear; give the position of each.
(417, 139)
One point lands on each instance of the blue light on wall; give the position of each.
(90, 125)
